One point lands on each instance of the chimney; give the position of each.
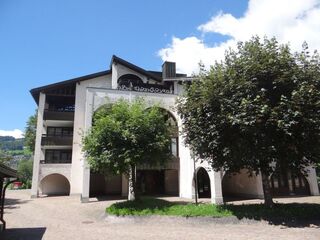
(168, 70)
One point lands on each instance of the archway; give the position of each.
(241, 185)
(55, 185)
(284, 183)
(203, 183)
(105, 185)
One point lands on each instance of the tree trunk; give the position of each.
(266, 190)
(132, 184)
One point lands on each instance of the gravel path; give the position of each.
(61, 218)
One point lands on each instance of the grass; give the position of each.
(153, 206)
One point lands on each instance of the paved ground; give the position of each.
(61, 218)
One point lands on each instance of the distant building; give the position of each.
(65, 111)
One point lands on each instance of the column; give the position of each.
(312, 179)
(37, 150)
(216, 188)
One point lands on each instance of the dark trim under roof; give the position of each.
(7, 171)
(135, 68)
(36, 91)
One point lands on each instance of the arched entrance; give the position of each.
(105, 185)
(203, 180)
(241, 185)
(286, 183)
(55, 185)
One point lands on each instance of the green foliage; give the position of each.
(5, 158)
(280, 213)
(259, 107)
(8, 143)
(125, 135)
(25, 172)
(30, 132)
(153, 206)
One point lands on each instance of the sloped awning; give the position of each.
(5, 172)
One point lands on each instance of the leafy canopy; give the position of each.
(30, 132)
(258, 109)
(126, 134)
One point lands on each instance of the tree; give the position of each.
(25, 172)
(259, 109)
(4, 157)
(125, 135)
(30, 132)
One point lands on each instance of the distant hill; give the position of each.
(8, 143)
(12, 151)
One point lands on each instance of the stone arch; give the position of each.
(203, 183)
(241, 185)
(129, 81)
(286, 183)
(55, 185)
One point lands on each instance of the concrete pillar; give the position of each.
(260, 187)
(86, 168)
(124, 186)
(312, 180)
(37, 150)
(114, 79)
(216, 189)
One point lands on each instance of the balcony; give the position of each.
(56, 140)
(46, 161)
(58, 115)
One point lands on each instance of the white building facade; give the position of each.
(65, 111)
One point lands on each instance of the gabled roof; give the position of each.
(135, 68)
(72, 82)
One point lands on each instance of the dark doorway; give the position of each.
(285, 183)
(204, 190)
(150, 182)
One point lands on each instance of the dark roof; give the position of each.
(149, 74)
(72, 82)
(7, 171)
(36, 91)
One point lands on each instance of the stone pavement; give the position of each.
(59, 218)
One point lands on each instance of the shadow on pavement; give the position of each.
(23, 233)
(288, 215)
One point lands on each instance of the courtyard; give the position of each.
(67, 218)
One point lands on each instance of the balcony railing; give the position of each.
(46, 161)
(58, 115)
(56, 140)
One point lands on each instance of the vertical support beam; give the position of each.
(216, 189)
(312, 180)
(114, 79)
(124, 186)
(37, 149)
(86, 168)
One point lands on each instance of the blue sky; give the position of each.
(42, 42)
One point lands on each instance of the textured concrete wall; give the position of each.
(242, 185)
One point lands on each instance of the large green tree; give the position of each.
(25, 172)
(30, 132)
(259, 109)
(125, 135)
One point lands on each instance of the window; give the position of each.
(58, 156)
(60, 131)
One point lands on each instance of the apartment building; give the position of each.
(65, 111)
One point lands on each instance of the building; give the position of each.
(65, 111)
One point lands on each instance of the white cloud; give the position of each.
(289, 21)
(16, 133)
